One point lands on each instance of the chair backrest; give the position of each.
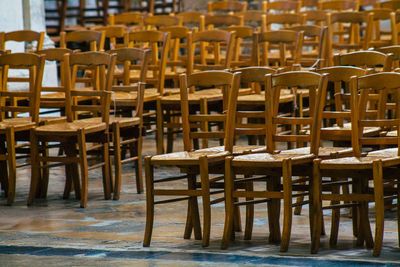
(95, 39)
(10, 106)
(281, 38)
(113, 34)
(338, 5)
(378, 37)
(220, 21)
(214, 38)
(317, 17)
(309, 4)
(337, 104)
(248, 122)
(129, 57)
(315, 38)
(134, 19)
(315, 86)
(102, 67)
(387, 85)
(281, 6)
(254, 18)
(178, 46)
(226, 6)
(391, 4)
(191, 19)
(284, 20)
(394, 50)
(56, 100)
(200, 122)
(155, 22)
(26, 36)
(241, 54)
(158, 42)
(365, 59)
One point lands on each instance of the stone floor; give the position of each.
(58, 232)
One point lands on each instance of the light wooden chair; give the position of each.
(192, 163)
(27, 36)
(191, 19)
(78, 133)
(126, 125)
(216, 21)
(241, 56)
(270, 166)
(362, 167)
(395, 51)
(14, 128)
(316, 17)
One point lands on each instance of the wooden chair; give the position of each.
(309, 4)
(377, 61)
(155, 22)
(133, 20)
(192, 163)
(26, 36)
(113, 35)
(75, 134)
(281, 6)
(226, 6)
(379, 37)
(15, 128)
(391, 4)
(94, 39)
(362, 167)
(126, 124)
(281, 38)
(271, 165)
(348, 38)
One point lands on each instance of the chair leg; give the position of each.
(287, 204)
(149, 172)
(35, 171)
(335, 218)
(379, 206)
(12, 166)
(229, 205)
(107, 179)
(83, 167)
(193, 217)
(117, 160)
(205, 188)
(317, 207)
(3, 169)
(160, 129)
(249, 214)
(139, 163)
(274, 210)
(44, 173)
